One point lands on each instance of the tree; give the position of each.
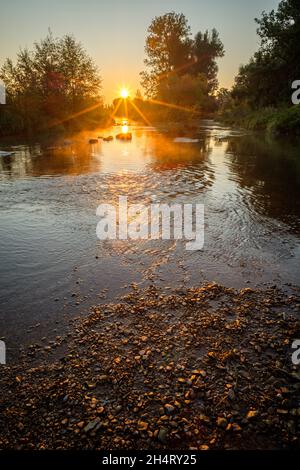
(181, 71)
(80, 74)
(207, 47)
(186, 91)
(168, 49)
(51, 83)
(224, 98)
(266, 80)
(138, 95)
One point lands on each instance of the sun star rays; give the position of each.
(126, 100)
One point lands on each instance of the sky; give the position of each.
(113, 32)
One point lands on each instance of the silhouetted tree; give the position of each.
(50, 83)
(186, 91)
(207, 48)
(266, 80)
(181, 70)
(168, 48)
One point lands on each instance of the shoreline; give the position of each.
(200, 368)
(272, 122)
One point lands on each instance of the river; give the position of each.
(53, 267)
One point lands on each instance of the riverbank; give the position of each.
(201, 368)
(284, 121)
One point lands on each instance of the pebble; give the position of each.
(221, 422)
(169, 408)
(91, 425)
(162, 435)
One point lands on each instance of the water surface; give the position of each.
(51, 263)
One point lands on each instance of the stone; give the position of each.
(91, 425)
(142, 426)
(251, 414)
(162, 435)
(221, 422)
(169, 408)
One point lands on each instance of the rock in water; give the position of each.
(6, 154)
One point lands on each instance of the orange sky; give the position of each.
(113, 32)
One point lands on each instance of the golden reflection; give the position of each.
(75, 155)
(167, 154)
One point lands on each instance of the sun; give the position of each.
(124, 93)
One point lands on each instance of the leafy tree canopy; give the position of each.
(170, 51)
(51, 82)
(266, 80)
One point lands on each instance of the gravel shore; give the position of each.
(201, 368)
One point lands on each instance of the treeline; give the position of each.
(57, 87)
(261, 96)
(50, 88)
